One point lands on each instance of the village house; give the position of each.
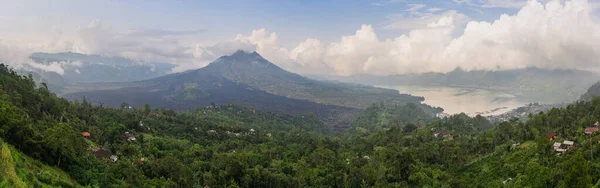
(114, 158)
(86, 134)
(251, 132)
(515, 145)
(438, 133)
(269, 134)
(129, 136)
(443, 134)
(154, 114)
(568, 144)
(551, 135)
(560, 148)
(100, 154)
(557, 147)
(212, 131)
(592, 129)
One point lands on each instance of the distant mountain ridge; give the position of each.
(543, 84)
(246, 78)
(83, 68)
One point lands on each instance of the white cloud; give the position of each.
(434, 9)
(415, 7)
(402, 22)
(97, 38)
(15, 51)
(551, 35)
(51, 67)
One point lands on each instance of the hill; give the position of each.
(20, 171)
(380, 116)
(238, 146)
(249, 79)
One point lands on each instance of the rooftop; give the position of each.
(567, 142)
(557, 144)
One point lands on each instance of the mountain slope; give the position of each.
(19, 170)
(198, 90)
(249, 79)
(592, 92)
(253, 70)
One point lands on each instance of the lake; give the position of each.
(470, 101)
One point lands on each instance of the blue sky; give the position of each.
(340, 37)
(324, 19)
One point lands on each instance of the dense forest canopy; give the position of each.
(49, 141)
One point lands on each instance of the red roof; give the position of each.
(591, 130)
(127, 134)
(85, 134)
(550, 134)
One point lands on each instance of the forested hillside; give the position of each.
(237, 146)
(380, 116)
(19, 170)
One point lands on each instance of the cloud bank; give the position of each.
(551, 35)
(554, 34)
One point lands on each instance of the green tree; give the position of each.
(64, 142)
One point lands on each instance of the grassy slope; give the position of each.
(18, 170)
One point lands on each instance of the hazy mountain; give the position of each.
(54, 81)
(532, 83)
(245, 78)
(592, 92)
(96, 68)
(256, 72)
